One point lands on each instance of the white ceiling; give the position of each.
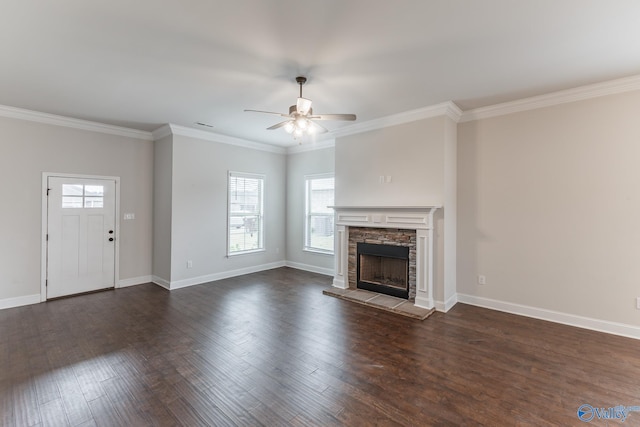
(144, 63)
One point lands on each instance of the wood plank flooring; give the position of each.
(270, 349)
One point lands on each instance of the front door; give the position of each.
(80, 235)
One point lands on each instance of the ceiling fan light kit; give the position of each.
(300, 120)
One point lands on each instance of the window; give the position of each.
(318, 229)
(76, 196)
(245, 213)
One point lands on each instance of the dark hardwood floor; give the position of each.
(270, 349)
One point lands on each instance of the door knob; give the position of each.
(111, 239)
(110, 231)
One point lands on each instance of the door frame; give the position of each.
(45, 224)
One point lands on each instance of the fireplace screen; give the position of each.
(384, 269)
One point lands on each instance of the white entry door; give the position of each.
(80, 235)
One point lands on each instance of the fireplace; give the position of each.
(383, 260)
(383, 269)
(409, 227)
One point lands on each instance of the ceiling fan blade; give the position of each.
(347, 117)
(268, 112)
(278, 125)
(318, 128)
(303, 105)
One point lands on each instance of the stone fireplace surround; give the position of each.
(389, 220)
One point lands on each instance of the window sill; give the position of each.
(234, 254)
(318, 251)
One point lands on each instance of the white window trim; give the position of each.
(306, 248)
(263, 177)
(318, 251)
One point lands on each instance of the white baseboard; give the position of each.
(224, 275)
(340, 284)
(133, 281)
(424, 303)
(614, 328)
(192, 281)
(447, 305)
(161, 282)
(19, 301)
(310, 268)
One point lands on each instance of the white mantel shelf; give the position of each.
(406, 217)
(419, 218)
(386, 207)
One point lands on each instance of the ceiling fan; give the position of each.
(301, 120)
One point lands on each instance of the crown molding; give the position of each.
(611, 87)
(172, 129)
(161, 132)
(52, 119)
(448, 109)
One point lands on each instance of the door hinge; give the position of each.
(47, 238)
(48, 189)
(46, 283)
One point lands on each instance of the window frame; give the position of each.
(260, 214)
(306, 244)
(87, 198)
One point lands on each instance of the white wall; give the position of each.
(548, 206)
(412, 154)
(449, 215)
(199, 209)
(299, 165)
(29, 149)
(162, 202)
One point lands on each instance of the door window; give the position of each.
(76, 196)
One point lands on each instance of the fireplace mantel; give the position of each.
(419, 218)
(407, 217)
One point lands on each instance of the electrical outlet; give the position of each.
(482, 280)
(189, 264)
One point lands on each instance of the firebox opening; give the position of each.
(383, 269)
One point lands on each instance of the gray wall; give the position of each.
(162, 202)
(412, 154)
(298, 166)
(29, 149)
(199, 209)
(548, 206)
